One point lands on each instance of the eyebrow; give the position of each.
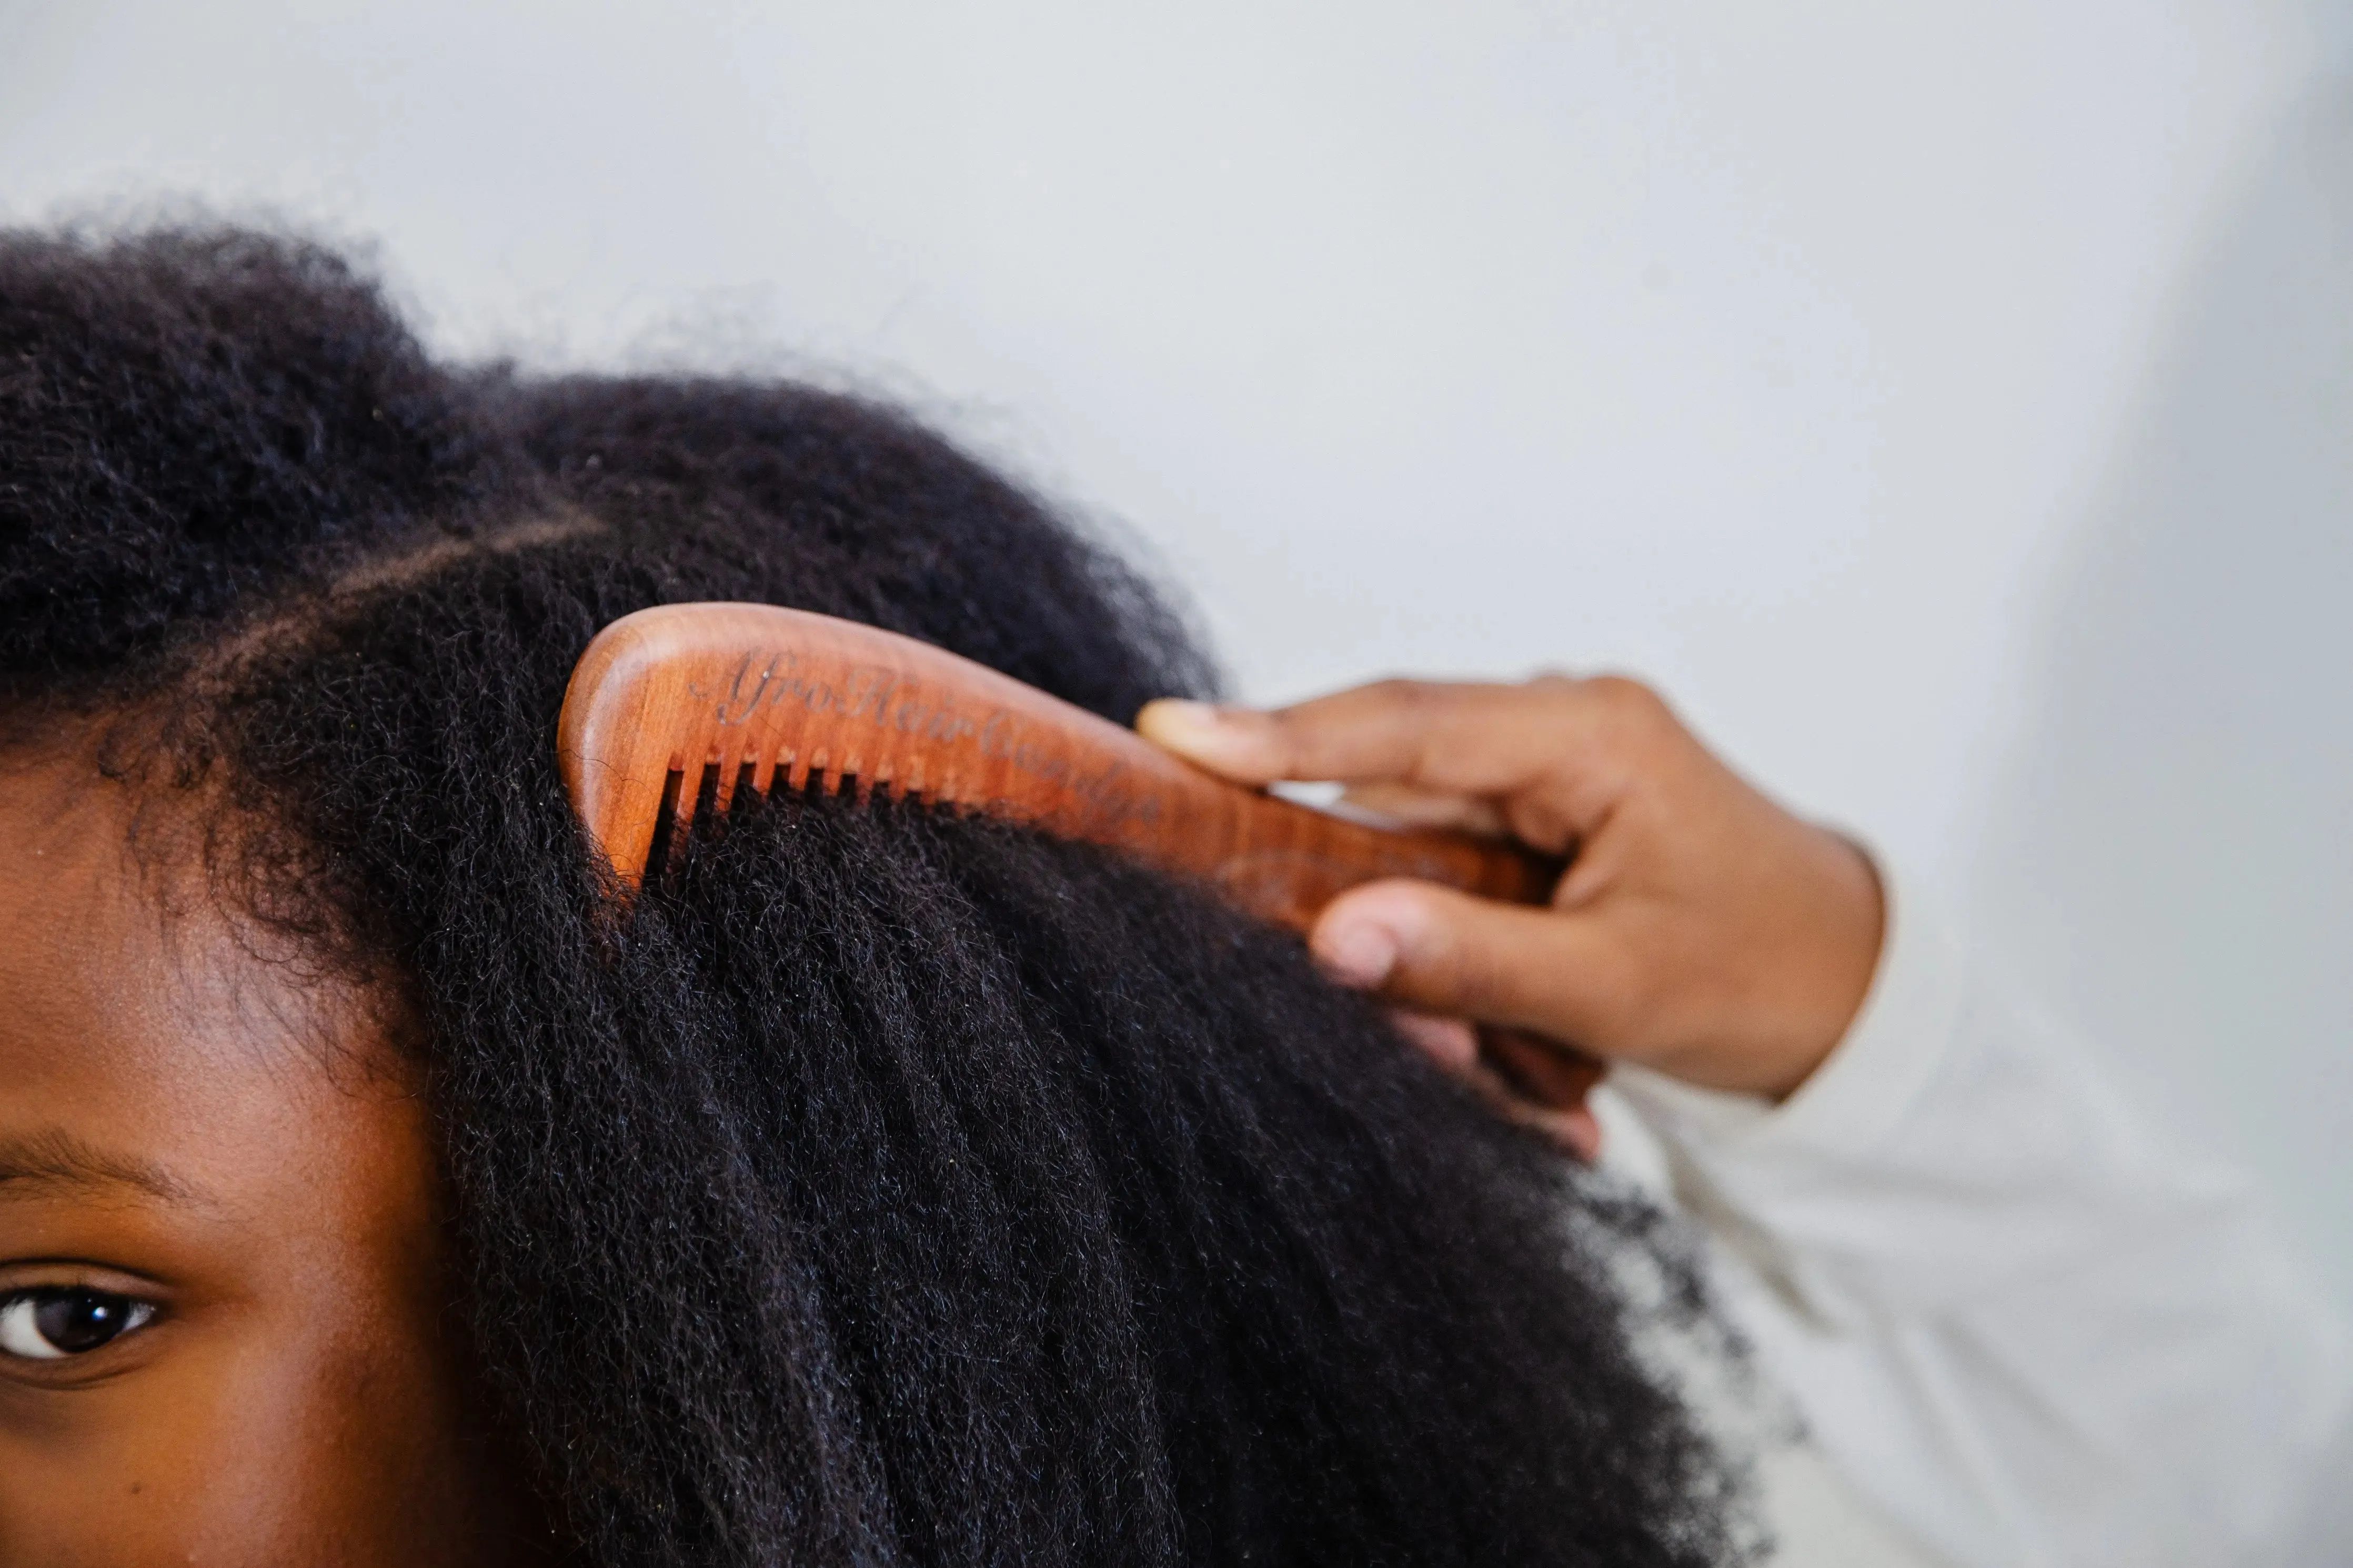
(54, 1158)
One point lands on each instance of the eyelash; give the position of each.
(22, 1339)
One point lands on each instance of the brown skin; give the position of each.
(194, 1133)
(186, 1127)
(1702, 929)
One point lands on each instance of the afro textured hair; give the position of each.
(886, 1186)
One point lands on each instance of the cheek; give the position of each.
(359, 1440)
(334, 1425)
(318, 1410)
(300, 1447)
(364, 1449)
(377, 1429)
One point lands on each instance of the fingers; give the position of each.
(1409, 806)
(1403, 730)
(1434, 950)
(1542, 1072)
(1451, 1043)
(1223, 740)
(1525, 1081)
(1576, 1132)
(1456, 738)
(1701, 929)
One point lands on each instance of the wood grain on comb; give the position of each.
(677, 709)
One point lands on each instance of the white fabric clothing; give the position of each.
(2021, 1327)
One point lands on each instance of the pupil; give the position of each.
(77, 1321)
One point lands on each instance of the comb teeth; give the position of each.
(767, 700)
(712, 788)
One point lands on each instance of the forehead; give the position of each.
(85, 947)
(138, 1021)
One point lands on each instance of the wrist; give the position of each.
(1797, 983)
(1846, 929)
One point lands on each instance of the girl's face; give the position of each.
(226, 1334)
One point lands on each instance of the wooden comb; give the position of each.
(677, 710)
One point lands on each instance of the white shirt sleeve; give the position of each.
(2021, 1326)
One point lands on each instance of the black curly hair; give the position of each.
(888, 1186)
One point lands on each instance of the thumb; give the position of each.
(1438, 950)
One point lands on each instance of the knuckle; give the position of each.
(1638, 989)
(1284, 732)
(1627, 698)
(1554, 701)
(1632, 713)
(1410, 710)
(1404, 694)
(1482, 974)
(1489, 986)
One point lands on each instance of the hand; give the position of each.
(1701, 930)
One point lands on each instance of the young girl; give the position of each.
(886, 1187)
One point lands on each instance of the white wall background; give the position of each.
(1949, 402)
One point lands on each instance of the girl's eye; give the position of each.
(57, 1320)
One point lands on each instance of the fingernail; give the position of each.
(1360, 954)
(1202, 731)
(1581, 1131)
(1177, 719)
(1451, 1043)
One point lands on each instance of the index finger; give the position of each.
(1462, 737)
